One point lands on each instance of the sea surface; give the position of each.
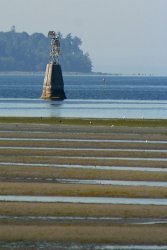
(88, 96)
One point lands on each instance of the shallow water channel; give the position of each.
(88, 200)
(90, 182)
(74, 246)
(115, 220)
(115, 182)
(84, 140)
(88, 149)
(122, 168)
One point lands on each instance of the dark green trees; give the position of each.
(24, 52)
(72, 57)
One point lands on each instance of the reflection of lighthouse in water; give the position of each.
(53, 86)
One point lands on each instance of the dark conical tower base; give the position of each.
(53, 86)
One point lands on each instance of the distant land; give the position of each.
(24, 52)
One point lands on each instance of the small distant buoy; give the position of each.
(104, 80)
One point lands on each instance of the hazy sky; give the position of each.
(121, 36)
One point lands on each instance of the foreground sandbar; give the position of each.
(56, 189)
(96, 210)
(9, 173)
(122, 234)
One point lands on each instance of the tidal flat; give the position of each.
(80, 190)
(25, 143)
(124, 234)
(26, 173)
(84, 210)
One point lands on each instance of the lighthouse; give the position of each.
(53, 85)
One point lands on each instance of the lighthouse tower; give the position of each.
(53, 86)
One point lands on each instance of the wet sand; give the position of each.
(124, 234)
(23, 172)
(88, 190)
(84, 210)
(94, 146)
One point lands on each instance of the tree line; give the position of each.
(24, 52)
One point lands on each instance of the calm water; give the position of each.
(73, 246)
(85, 200)
(87, 96)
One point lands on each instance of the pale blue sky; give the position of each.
(121, 36)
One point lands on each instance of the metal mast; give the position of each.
(55, 47)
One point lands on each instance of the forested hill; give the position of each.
(24, 52)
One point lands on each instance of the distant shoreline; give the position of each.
(19, 73)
